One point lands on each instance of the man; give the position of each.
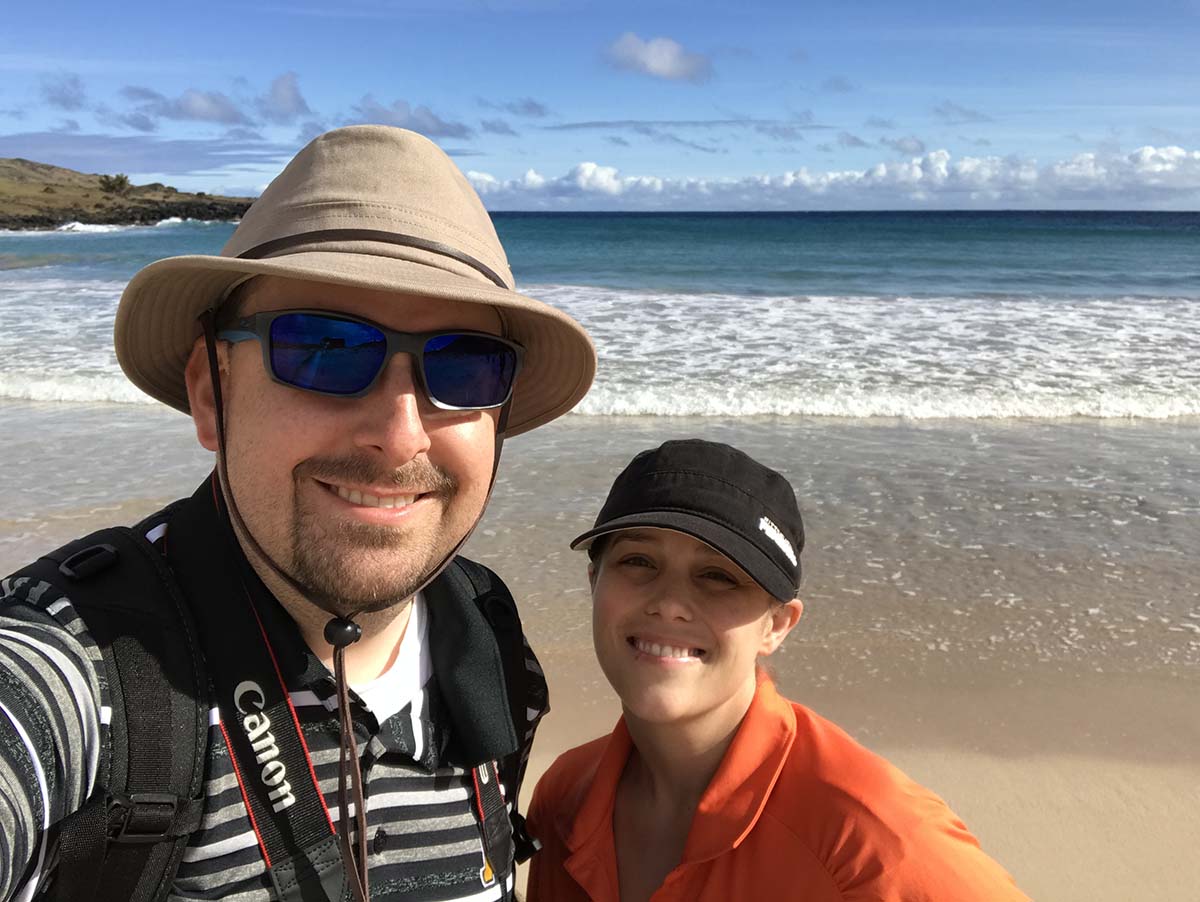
(355, 358)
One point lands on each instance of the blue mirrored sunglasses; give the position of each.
(343, 356)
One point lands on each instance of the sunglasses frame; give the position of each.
(257, 326)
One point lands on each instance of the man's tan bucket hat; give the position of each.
(372, 207)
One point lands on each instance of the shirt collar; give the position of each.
(402, 683)
(738, 792)
(729, 807)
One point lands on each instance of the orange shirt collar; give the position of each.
(728, 809)
(739, 790)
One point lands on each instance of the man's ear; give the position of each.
(200, 394)
(592, 575)
(782, 618)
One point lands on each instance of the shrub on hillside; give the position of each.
(115, 184)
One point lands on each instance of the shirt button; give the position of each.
(380, 841)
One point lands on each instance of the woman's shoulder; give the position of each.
(561, 790)
(573, 767)
(851, 806)
(843, 783)
(838, 778)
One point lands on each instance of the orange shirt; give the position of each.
(796, 810)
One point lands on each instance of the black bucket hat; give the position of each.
(717, 494)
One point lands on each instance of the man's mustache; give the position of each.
(417, 474)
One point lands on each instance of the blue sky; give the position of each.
(651, 105)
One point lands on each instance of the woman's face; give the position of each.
(678, 626)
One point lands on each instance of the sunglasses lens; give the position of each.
(325, 354)
(470, 371)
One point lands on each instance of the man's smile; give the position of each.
(385, 502)
(366, 499)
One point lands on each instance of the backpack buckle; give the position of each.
(88, 561)
(142, 817)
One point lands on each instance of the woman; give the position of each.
(713, 786)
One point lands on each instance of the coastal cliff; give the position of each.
(41, 196)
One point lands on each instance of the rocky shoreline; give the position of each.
(225, 209)
(40, 196)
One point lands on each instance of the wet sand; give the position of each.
(1008, 610)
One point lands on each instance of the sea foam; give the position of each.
(105, 389)
(729, 355)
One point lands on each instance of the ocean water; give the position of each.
(861, 315)
(992, 420)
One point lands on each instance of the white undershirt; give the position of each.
(403, 681)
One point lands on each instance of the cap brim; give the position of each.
(745, 554)
(157, 325)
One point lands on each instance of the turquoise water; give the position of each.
(914, 254)
(919, 315)
(911, 254)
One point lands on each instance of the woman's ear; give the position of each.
(781, 619)
(199, 391)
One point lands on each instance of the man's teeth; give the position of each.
(664, 651)
(362, 498)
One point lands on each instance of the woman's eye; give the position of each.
(719, 576)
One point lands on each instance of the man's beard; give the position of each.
(329, 562)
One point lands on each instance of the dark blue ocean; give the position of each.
(920, 315)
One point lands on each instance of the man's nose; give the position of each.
(392, 414)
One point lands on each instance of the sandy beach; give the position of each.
(1008, 610)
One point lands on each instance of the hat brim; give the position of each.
(157, 321)
(744, 553)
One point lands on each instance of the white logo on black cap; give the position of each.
(775, 534)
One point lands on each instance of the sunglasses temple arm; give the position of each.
(356, 865)
(207, 321)
(235, 516)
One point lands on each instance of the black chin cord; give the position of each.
(342, 633)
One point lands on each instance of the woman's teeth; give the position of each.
(665, 651)
(365, 500)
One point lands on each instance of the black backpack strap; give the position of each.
(496, 602)
(127, 840)
(295, 833)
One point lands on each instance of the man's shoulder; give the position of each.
(482, 578)
(151, 528)
(56, 583)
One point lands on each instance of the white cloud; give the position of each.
(65, 91)
(205, 106)
(532, 180)
(953, 114)
(401, 114)
(838, 84)
(179, 157)
(525, 106)
(283, 103)
(497, 127)
(192, 105)
(909, 146)
(1148, 178)
(659, 57)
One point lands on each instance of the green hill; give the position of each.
(40, 196)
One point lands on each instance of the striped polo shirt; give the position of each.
(423, 835)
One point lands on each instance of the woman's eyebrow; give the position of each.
(633, 535)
